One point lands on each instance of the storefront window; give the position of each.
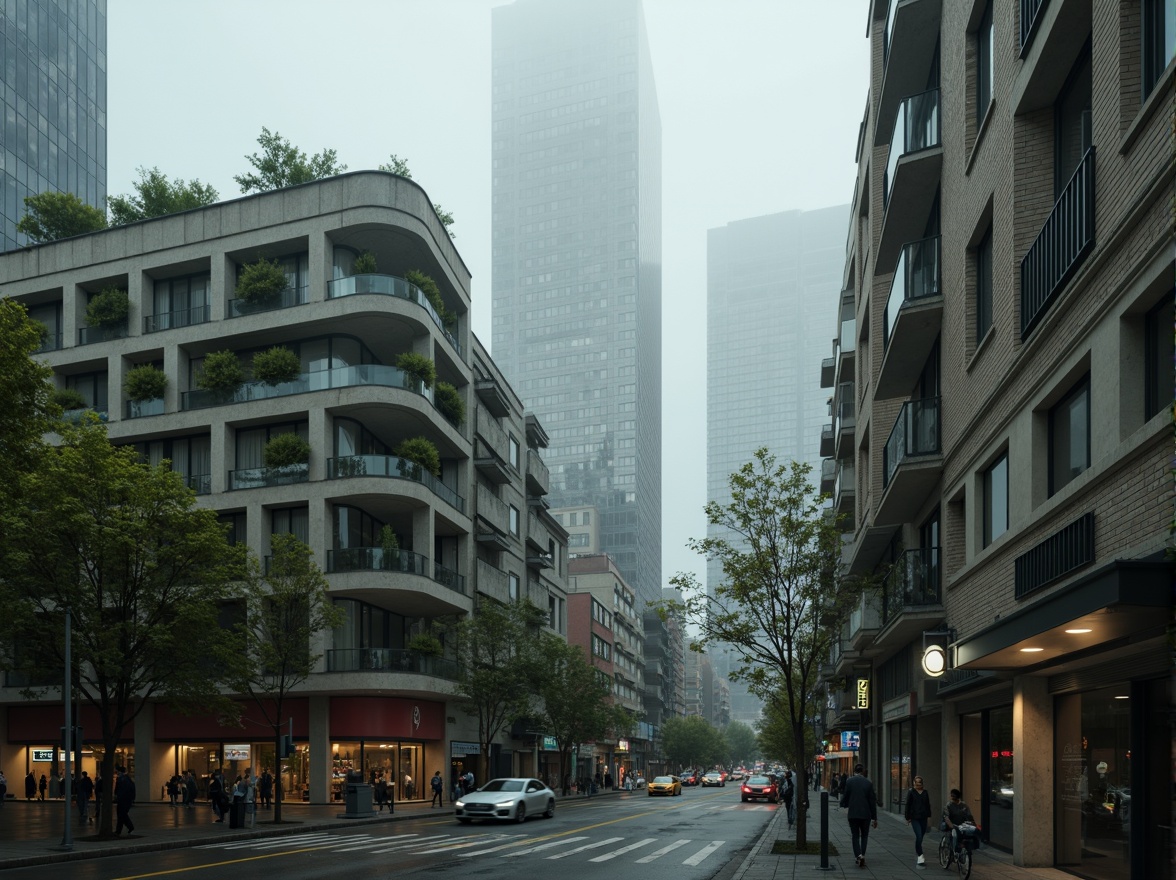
(900, 764)
(400, 763)
(999, 827)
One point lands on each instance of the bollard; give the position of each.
(824, 866)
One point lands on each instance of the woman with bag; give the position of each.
(918, 813)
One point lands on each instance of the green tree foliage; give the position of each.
(741, 744)
(145, 382)
(156, 196)
(280, 164)
(692, 742)
(25, 390)
(221, 372)
(496, 668)
(276, 365)
(417, 367)
(67, 398)
(261, 283)
(432, 293)
(780, 587)
(285, 609)
(396, 165)
(108, 308)
(285, 450)
(576, 698)
(52, 215)
(365, 264)
(450, 403)
(143, 571)
(421, 451)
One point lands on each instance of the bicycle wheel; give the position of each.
(945, 851)
(964, 861)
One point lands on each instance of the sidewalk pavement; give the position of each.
(31, 834)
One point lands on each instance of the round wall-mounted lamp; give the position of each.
(934, 660)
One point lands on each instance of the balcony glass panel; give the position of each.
(390, 660)
(394, 467)
(137, 409)
(916, 432)
(320, 380)
(49, 342)
(848, 338)
(288, 298)
(257, 478)
(201, 484)
(447, 577)
(916, 127)
(916, 276)
(376, 559)
(912, 581)
(91, 335)
(1030, 9)
(389, 285)
(181, 318)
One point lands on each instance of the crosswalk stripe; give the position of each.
(572, 852)
(623, 850)
(700, 856)
(482, 852)
(384, 841)
(654, 856)
(409, 844)
(533, 849)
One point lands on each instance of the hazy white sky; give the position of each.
(760, 106)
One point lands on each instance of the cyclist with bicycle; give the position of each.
(955, 814)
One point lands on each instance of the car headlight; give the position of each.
(502, 804)
(460, 804)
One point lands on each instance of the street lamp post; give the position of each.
(67, 741)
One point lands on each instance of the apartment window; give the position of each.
(984, 285)
(1069, 436)
(1159, 41)
(514, 520)
(514, 452)
(587, 518)
(1072, 120)
(996, 499)
(984, 63)
(512, 587)
(1159, 355)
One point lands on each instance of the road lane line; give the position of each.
(543, 846)
(654, 856)
(482, 852)
(623, 850)
(700, 856)
(579, 849)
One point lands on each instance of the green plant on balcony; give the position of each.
(427, 644)
(389, 541)
(365, 264)
(221, 373)
(433, 294)
(67, 399)
(145, 382)
(422, 452)
(277, 365)
(286, 450)
(261, 284)
(108, 309)
(417, 366)
(450, 403)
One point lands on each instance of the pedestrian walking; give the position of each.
(788, 796)
(918, 813)
(216, 795)
(124, 799)
(250, 796)
(265, 788)
(438, 789)
(381, 790)
(191, 788)
(41, 786)
(857, 796)
(85, 792)
(173, 790)
(3, 787)
(97, 798)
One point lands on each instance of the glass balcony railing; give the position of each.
(320, 380)
(391, 466)
(263, 477)
(916, 276)
(137, 409)
(287, 299)
(916, 127)
(912, 581)
(49, 342)
(91, 335)
(201, 484)
(389, 285)
(447, 577)
(376, 559)
(180, 318)
(390, 660)
(916, 432)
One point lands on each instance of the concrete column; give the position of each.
(144, 759)
(319, 437)
(1033, 777)
(422, 533)
(116, 369)
(223, 282)
(73, 316)
(320, 260)
(949, 767)
(320, 750)
(222, 454)
(139, 293)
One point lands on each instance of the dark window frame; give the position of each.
(1153, 29)
(990, 533)
(1082, 72)
(1158, 393)
(984, 286)
(985, 66)
(1059, 410)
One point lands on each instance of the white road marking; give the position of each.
(482, 852)
(623, 850)
(700, 856)
(654, 856)
(532, 849)
(579, 849)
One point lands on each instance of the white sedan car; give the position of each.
(508, 799)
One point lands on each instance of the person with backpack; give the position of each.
(787, 796)
(438, 786)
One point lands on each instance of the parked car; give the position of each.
(667, 785)
(511, 799)
(691, 777)
(714, 778)
(638, 781)
(758, 787)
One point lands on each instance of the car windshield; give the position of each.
(713, 773)
(503, 785)
(759, 780)
(663, 779)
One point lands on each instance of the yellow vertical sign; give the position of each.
(863, 693)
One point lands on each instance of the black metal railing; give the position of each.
(49, 342)
(392, 466)
(916, 127)
(1062, 552)
(1064, 240)
(913, 581)
(1030, 16)
(916, 276)
(390, 660)
(915, 432)
(179, 318)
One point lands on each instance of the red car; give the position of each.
(760, 787)
(690, 777)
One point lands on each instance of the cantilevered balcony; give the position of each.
(911, 180)
(846, 349)
(266, 477)
(538, 475)
(399, 660)
(912, 319)
(491, 466)
(828, 371)
(911, 599)
(828, 474)
(865, 620)
(179, 318)
(910, 42)
(844, 422)
(1029, 17)
(912, 462)
(845, 488)
(92, 335)
(340, 377)
(287, 299)
(393, 467)
(826, 440)
(492, 582)
(492, 396)
(138, 409)
(390, 285)
(417, 584)
(1064, 241)
(1053, 35)
(492, 520)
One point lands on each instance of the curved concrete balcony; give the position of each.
(391, 285)
(413, 584)
(395, 468)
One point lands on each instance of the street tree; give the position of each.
(25, 389)
(156, 196)
(280, 164)
(576, 700)
(692, 742)
(287, 606)
(143, 572)
(780, 593)
(52, 215)
(741, 743)
(496, 668)
(396, 165)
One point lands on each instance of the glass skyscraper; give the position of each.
(53, 54)
(772, 284)
(577, 260)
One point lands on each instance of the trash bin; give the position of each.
(237, 813)
(358, 798)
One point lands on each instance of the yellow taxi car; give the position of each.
(669, 785)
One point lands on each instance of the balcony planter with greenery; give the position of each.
(433, 294)
(222, 374)
(365, 264)
(68, 399)
(426, 644)
(286, 451)
(109, 309)
(260, 285)
(420, 451)
(417, 366)
(276, 366)
(450, 404)
(145, 383)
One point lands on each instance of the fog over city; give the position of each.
(760, 104)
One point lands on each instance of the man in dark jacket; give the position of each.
(124, 799)
(85, 792)
(857, 796)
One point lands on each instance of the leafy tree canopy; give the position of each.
(692, 742)
(577, 700)
(52, 215)
(280, 164)
(741, 743)
(156, 196)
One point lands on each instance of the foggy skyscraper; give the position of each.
(577, 263)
